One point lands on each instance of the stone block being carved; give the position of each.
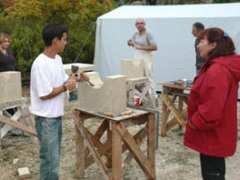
(110, 97)
(81, 67)
(138, 85)
(94, 79)
(11, 86)
(132, 68)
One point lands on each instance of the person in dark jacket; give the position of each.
(197, 29)
(211, 127)
(7, 59)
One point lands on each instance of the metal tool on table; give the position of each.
(73, 94)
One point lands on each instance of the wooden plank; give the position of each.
(94, 140)
(151, 134)
(138, 137)
(143, 162)
(15, 117)
(101, 129)
(116, 153)
(80, 147)
(94, 153)
(84, 152)
(17, 125)
(171, 123)
(165, 115)
(171, 106)
(180, 104)
(139, 120)
(135, 114)
(12, 104)
(101, 147)
(185, 100)
(89, 160)
(164, 118)
(109, 141)
(173, 86)
(106, 150)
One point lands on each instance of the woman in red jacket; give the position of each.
(212, 105)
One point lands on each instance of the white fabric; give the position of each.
(46, 74)
(171, 28)
(147, 57)
(173, 11)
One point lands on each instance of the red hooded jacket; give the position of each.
(212, 108)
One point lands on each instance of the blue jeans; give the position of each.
(49, 131)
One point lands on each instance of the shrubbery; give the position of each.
(24, 20)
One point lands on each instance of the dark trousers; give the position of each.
(213, 168)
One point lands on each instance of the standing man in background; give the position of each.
(144, 44)
(197, 29)
(48, 84)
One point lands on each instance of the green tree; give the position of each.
(25, 20)
(225, 1)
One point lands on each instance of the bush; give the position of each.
(24, 20)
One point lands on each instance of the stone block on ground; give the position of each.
(11, 86)
(24, 173)
(132, 68)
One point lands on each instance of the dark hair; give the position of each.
(198, 26)
(51, 31)
(224, 44)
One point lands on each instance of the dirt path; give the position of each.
(173, 160)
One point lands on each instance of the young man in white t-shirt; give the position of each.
(48, 84)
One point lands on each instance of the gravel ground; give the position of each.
(173, 160)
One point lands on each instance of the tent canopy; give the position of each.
(173, 11)
(171, 28)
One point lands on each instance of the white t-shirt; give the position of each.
(47, 73)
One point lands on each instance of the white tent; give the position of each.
(171, 28)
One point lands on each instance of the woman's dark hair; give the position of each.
(224, 44)
(51, 31)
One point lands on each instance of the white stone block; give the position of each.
(82, 67)
(10, 86)
(94, 79)
(15, 161)
(109, 98)
(132, 68)
(23, 173)
(132, 82)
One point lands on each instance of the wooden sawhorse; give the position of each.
(117, 139)
(173, 98)
(11, 121)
